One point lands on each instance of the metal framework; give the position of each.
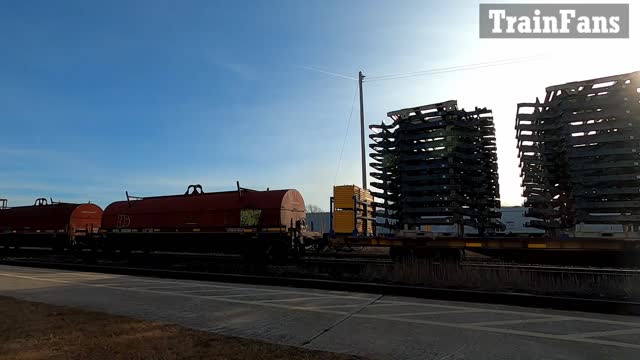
(436, 165)
(580, 154)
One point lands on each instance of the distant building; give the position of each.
(318, 222)
(512, 217)
(514, 221)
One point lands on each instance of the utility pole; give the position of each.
(362, 142)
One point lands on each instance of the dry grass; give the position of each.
(423, 272)
(451, 275)
(30, 330)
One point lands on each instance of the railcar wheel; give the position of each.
(254, 253)
(58, 246)
(277, 252)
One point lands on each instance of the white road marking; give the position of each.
(174, 287)
(241, 295)
(313, 298)
(108, 284)
(209, 290)
(170, 282)
(610, 322)
(524, 321)
(605, 333)
(452, 307)
(207, 285)
(532, 314)
(221, 299)
(429, 313)
(404, 303)
(70, 277)
(514, 332)
(335, 306)
(572, 338)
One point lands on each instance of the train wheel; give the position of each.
(277, 252)
(125, 253)
(254, 253)
(299, 248)
(106, 247)
(58, 246)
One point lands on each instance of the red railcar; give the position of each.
(197, 221)
(56, 225)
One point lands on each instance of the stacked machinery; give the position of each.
(580, 154)
(437, 165)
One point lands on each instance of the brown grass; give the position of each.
(452, 275)
(30, 330)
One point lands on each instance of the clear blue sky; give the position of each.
(149, 96)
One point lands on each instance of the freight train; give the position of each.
(435, 165)
(270, 226)
(48, 224)
(260, 224)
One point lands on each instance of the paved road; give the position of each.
(383, 327)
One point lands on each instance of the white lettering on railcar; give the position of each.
(123, 221)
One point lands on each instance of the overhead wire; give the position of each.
(346, 133)
(407, 75)
(327, 72)
(451, 69)
(459, 67)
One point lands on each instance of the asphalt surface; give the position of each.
(382, 327)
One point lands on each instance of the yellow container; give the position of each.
(343, 223)
(343, 196)
(343, 204)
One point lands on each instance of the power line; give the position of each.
(458, 67)
(328, 72)
(346, 133)
(452, 69)
(445, 71)
(432, 71)
(406, 75)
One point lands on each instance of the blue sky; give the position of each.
(149, 96)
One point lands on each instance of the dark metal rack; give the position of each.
(436, 165)
(579, 154)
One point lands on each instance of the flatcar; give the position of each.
(256, 223)
(47, 224)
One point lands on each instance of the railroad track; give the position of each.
(348, 260)
(555, 269)
(539, 268)
(506, 298)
